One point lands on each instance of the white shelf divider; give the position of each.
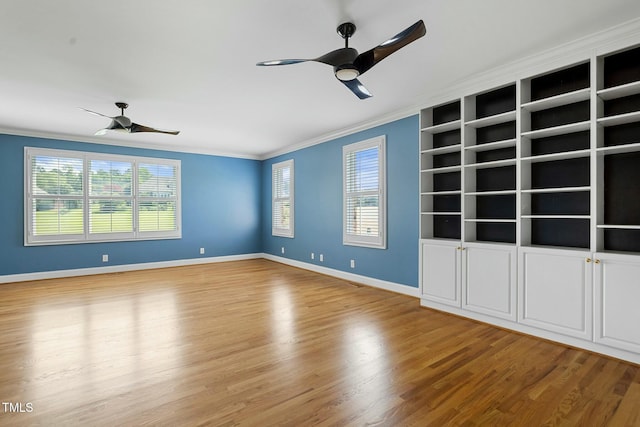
(492, 120)
(558, 130)
(558, 100)
(443, 127)
(621, 91)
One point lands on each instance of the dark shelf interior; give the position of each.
(560, 232)
(561, 143)
(449, 181)
(622, 240)
(448, 159)
(446, 226)
(558, 116)
(623, 134)
(559, 82)
(622, 189)
(500, 232)
(496, 179)
(496, 102)
(561, 173)
(622, 68)
(628, 104)
(496, 206)
(446, 139)
(570, 203)
(499, 132)
(446, 203)
(446, 113)
(494, 155)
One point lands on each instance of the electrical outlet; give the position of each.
(282, 250)
(353, 263)
(201, 251)
(313, 256)
(321, 258)
(105, 258)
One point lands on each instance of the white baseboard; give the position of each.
(121, 268)
(365, 280)
(369, 281)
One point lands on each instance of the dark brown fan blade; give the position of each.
(368, 59)
(96, 113)
(282, 62)
(345, 55)
(140, 128)
(358, 88)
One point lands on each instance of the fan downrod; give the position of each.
(346, 30)
(122, 106)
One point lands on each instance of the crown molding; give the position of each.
(132, 144)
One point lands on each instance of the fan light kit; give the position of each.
(348, 65)
(124, 124)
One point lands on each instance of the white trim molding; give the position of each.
(351, 277)
(56, 274)
(368, 281)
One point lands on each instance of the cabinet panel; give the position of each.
(441, 272)
(489, 277)
(555, 291)
(618, 293)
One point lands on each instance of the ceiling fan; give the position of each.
(348, 65)
(123, 123)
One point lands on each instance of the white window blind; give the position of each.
(282, 199)
(110, 198)
(56, 193)
(158, 197)
(364, 209)
(75, 197)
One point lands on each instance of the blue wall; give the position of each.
(318, 207)
(220, 212)
(226, 208)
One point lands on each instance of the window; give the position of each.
(76, 197)
(282, 199)
(364, 205)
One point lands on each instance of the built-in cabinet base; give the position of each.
(578, 298)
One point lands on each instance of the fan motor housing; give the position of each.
(346, 29)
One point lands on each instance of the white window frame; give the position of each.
(276, 229)
(86, 236)
(379, 241)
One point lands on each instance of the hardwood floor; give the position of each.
(257, 343)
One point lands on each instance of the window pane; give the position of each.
(362, 216)
(110, 178)
(110, 216)
(282, 214)
(362, 170)
(55, 216)
(56, 176)
(87, 197)
(157, 216)
(283, 179)
(282, 204)
(157, 181)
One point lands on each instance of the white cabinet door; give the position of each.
(440, 281)
(617, 284)
(489, 279)
(555, 290)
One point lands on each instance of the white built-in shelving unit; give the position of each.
(530, 204)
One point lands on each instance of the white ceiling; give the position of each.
(190, 65)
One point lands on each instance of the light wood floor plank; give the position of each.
(257, 343)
